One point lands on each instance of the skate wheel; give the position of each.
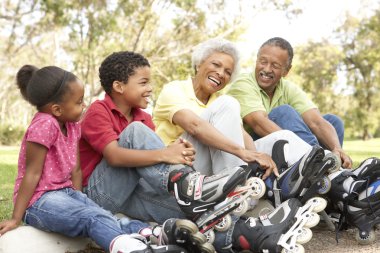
(324, 185)
(241, 209)
(313, 220)
(318, 203)
(365, 239)
(258, 187)
(304, 235)
(337, 163)
(210, 236)
(298, 248)
(187, 225)
(199, 238)
(207, 248)
(224, 224)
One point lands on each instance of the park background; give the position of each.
(336, 44)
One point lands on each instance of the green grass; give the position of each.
(8, 170)
(358, 150)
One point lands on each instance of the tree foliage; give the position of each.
(77, 35)
(360, 41)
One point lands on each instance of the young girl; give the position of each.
(47, 191)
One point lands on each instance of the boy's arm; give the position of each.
(177, 153)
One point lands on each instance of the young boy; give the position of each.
(126, 167)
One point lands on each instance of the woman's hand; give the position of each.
(8, 225)
(180, 152)
(264, 160)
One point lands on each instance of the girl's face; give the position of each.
(72, 105)
(138, 90)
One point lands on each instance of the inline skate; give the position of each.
(282, 230)
(208, 200)
(304, 179)
(356, 194)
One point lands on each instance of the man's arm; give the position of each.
(260, 123)
(326, 134)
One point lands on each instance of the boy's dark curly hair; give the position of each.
(119, 66)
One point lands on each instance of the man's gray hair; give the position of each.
(205, 49)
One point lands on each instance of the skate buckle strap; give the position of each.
(198, 187)
(277, 196)
(176, 177)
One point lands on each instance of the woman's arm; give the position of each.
(35, 158)
(210, 136)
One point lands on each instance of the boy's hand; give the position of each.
(8, 225)
(180, 152)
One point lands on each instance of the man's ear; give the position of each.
(56, 110)
(118, 87)
(286, 71)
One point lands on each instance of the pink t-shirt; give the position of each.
(61, 156)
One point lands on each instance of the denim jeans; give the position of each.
(141, 192)
(288, 118)
(72, 213)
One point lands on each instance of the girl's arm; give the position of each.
(76, 174)
(35, 158)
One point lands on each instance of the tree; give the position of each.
(316, 66)
(361, 44)
(77, 35)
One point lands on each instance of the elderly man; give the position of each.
(269, 102)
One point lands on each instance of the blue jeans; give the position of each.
(288, 118)
(140, 193)
(72, 213)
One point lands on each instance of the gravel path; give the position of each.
(324, 241)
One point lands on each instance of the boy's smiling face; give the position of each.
(138, 90)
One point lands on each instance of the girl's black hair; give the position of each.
(119, 66)
(42, 86)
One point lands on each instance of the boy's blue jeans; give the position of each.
(288, 118)
(140, 193)
(72, 213)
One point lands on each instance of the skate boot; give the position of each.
(369, 169)
(208, 200)
(358, 201)
(135, 243)
(304, 179)
(284, 229)
(364, 214)
(184, 233)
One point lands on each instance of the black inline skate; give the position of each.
(208, 200)
(304, 179)
(282, 230)
(356, 196)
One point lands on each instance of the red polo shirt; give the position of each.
(101, 124)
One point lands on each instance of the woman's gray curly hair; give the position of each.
(203, 50)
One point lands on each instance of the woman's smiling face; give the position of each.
(214, 73)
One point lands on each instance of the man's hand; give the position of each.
(346, 160)
(264, 160)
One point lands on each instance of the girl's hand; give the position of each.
(8, 225)
(180, 152)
